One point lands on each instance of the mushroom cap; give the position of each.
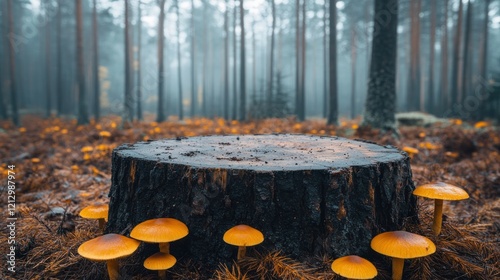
(354, 267)
(108, 247)
(440, 190)
(402, 244)
(243, 235)
(159, 230)
(410, 150)
(97, 211)
(160, 261)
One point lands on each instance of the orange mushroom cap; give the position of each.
(159, 230)
(440, 190)
(97, 211)
(243, 235)
(354, 267)
(108, 247)
(402, 244)
(160, 261)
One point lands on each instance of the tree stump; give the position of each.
(309, 195)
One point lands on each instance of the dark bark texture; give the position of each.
(309, 195)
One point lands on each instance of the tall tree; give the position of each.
(353, 69)
(302, 114)
(413, 93)
(59, 90)
(325, 61)
(455, 68)
(48, 51)
(161, 76)
(430, 100)
(235, 64)
(83, 117)
(242, 65)
(381, 98)
(226, 61)
(271, 61)
(466, 76)
(179, 61)
(193, 64)
(128, 103)
(95, 53)
(483, 62)
(204, 71)
(333, 108)
(445, 95)
(12, 68)
(139, 61)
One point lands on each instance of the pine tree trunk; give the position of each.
(309, 195)
(204, 62)
(48, 72)
(82, 100)
(59, 90)
(226, 61)
(97, 87)
(194, 99)
(139, 62)
(303, 46)
(242, 65)
(127, 106)
(483, 63)
(325, 62)
(333, 112)
(161, 76)
(297, 60)
(179, 61)
(455, 68)
(430, 100)
(353, 70)
(381, 99)
(12, 68)
(413, 99)
(445, 94)
(235, 64)
(271, 62)
(466, 76)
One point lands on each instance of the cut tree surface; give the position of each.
(309, 195)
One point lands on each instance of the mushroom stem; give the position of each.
(162, 274)
(438, 216)
(113, 271)
(165, 247)
(242, 250)
(397, 268)
(102, 224)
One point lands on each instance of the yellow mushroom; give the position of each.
(243, 236)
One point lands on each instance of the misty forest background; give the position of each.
(244, 59)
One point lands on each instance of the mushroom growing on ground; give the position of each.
(354, 267)
(161, 230)
(161, 262)
(440, 191)
(97, 211)
(109, 248)
(411, 151)
(243, 236)
(401, 245)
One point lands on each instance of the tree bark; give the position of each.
(381, 98)
(204, 62)
(483, 62)
(413, 100)
(83, 117)
(325, 62)
(466, 76)
(12, 68)
(161, 76)
(333, 108)
(303, 45)
(242, 65)
(444, 95)
(127, 106)
(95, 52)
(297, 60)
(139, 61)
(226, 61)
(455, 68)
(235, 64)
(271, 62)
(48, 72)
(194, 100)
(353, 69)
(309, 195)
(179, 61)
(430, 100)
(59, 90)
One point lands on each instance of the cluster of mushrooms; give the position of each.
(110, 247)
(399, 245)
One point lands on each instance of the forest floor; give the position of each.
(55, 179)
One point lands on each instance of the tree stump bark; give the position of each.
(309, 195)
